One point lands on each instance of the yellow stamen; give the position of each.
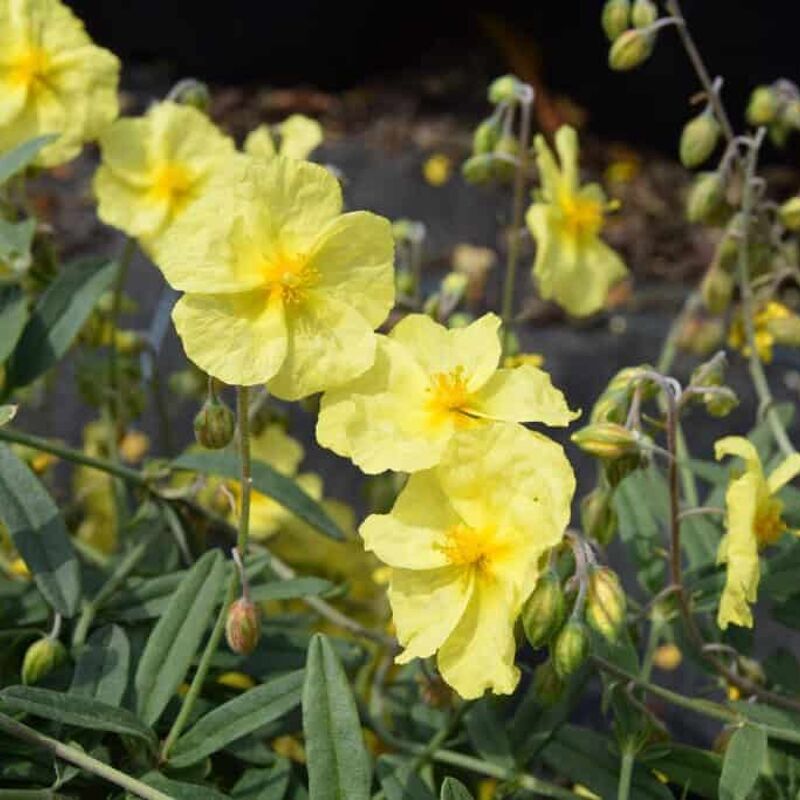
(448, 398)
(30, 68)
(172, 184)
(769, 525)
(581, 217)
(290, 278)
(470, 547)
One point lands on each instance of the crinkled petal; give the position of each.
(479, 653)
(524, 394)
(240, 339)
(741, 447)
(354, 256)
(786, 471)
(300, 135)
(567, 148)
(260, 144)
(329, 344)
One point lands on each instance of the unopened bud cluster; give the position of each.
(629, 28)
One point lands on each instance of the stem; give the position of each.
(507, 312)
(243, 414)
(673, 7)
(625, 773)
(80, 759)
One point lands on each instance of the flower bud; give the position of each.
(543, 612)
(706, 197)
(243, 626)
(785, 330)
(477, 169)
(698, 139)
(598, 518)
(504, 89)
(711, 372)
(791, 114)
(404, 282)
(571, 648)
(616, 18)
(720, 402)
(505, 165)
(763, 107)
(606, 440)
(547, 685)
(605, 603)
(214, 424)
(716, 290)
(485, 137)
(789, 213)
(41, 658)
(644, 13)
(631, 49)
(191, 92)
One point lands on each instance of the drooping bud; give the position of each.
(720, 402)
(790, 213)
(506, 152)
(41, 658)
(598, 518)
(243, 626)
(543, 612)
(404, 282)
(191, 92)
(605, 603)
(606, 440)
(763, 107)
(716, 290)
(631, 49)
(711, 372)
(706, 197)
(698, 139)
(644, 13)
(214, 424)
(790, 114)
(504, 89)
(571, 648)
(547, 685)
(477, 169)
(616, 18)
(485, 137)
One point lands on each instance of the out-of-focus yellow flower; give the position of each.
(154, 167)
(53, 79)
(754, 521)
(236, 680)
(465, 538)
(281, 287)
(134, 446)
(523, 359)
(765, 336)
(299, 137)
(668, 657)
(94, 492)
(19, 568)
(734, 693)
(573, 265)
(486, 789)
(437, 169)
(38, 461)
(289, 747)
(427, 383)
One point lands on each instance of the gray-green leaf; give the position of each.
(177, 635)
(7, 413)
(454, 790)
(264, 784)
(102, 668)
(338, 765)
(21, 156)
(13, 315)
(39, 534)
(744, 757)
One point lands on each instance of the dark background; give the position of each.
(339, 45)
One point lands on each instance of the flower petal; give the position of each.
(300, 135)
(238, 338)
(741, 447)
(260, 144)
(786, 471)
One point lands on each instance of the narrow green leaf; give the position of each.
(7, 413)
(238, 717)
(744, 757)
(487, 733)
(338, 765)
(180, 790)
(454, 790)
(13, 315)
(59, 315)
(290, 589)
(39, 534)
(102, 668)
(70, 709)
(267, 481)
(177, 635)
(264, 784)
(23, 155)
(399, 780)
(143, 598)
(16, 239)
(686, 766)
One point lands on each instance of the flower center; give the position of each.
(172, 184)
(471, 547)
(448, 398)
(30, 68)
(769, 525)
(290, 278)
(581, 217)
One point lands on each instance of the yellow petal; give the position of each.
(786, 471)
(300, 135)
(523, 394)
(354, 256)
(329, 344)
(567, 148)
(238, 338)
(259, 143)
(275, 447)
(741, 447)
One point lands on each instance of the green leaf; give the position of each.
(39, 534)
(102, 668)
(57, 318)
(698, 770)
(238, 717)
(290, 589)
(264, 784)
(23, 155)
(399, 780)
(487, 733)
(70, 709)
(13, 315)
(267, 481)
(177, 635)
(700, 538)
(180, 790)
(16, 239)
(143, 598)
(7, 413)
(744, 757)
(454, 790)
(338, 765)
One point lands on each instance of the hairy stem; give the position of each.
(625, 773)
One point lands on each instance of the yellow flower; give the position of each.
(437, 169)
(299, 136)
(521, 359)
(753, 521)
(236, 680)
(427, 383)
(53, 79)
(153, 168)
(464, 540)
(573, 265)
(281, 287)
(667, 657)
(94, 493)
(764, 328)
